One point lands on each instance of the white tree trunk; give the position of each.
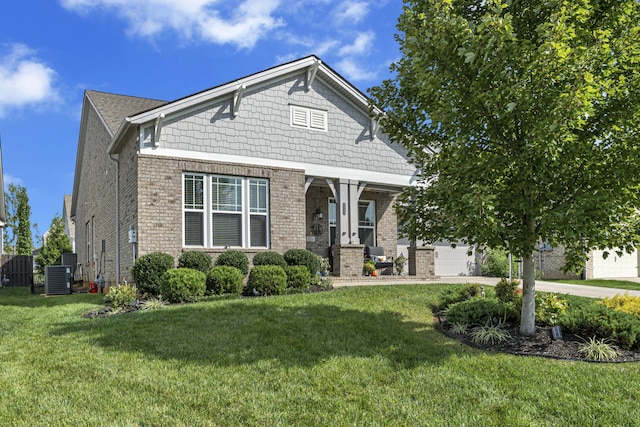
(528, 320)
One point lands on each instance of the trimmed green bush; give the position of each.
(597, 320)
(452, 296)
(475, 311)
(234, 258)
(121, 296)
(496, 263)
(269, 258)
(267, 280)
(147, 271)
(298, 277)
(180, 284)
(224, 279)
(303, 257)
(195, 260)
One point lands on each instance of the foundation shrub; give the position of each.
(298, 278)
(234, 258)
(121, 296)
(182, 284)
(195, 260)
(147, 272)
(269, 258)
(303, 257)
(266, 280)
(225, 280)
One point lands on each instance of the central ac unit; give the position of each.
(57, 280)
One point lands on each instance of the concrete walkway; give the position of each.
(561, 288)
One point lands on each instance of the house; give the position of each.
(285, 158)
(69, 227)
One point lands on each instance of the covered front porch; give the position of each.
(345, 215)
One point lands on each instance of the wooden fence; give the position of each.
(17, 270)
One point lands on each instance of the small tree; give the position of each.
(57, 244)
(17, 234)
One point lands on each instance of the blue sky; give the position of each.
(52, 50)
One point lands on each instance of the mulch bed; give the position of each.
(540, 344)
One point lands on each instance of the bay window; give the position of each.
(225, 211)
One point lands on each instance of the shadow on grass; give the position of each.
(245, 332)
(21, 296)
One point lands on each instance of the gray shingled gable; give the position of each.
(114, 108)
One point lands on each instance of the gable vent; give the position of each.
(308, 118)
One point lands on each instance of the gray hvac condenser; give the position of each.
(57, 280)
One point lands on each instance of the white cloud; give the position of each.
(354, 71)
(360, 46)
(350, 12)
(215, 21)
(25, 80)
(10, 179)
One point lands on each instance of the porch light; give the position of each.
(318, 214)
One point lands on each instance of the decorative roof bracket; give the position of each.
(311, 74)
(237, 98)
(158, 128)
(375, 127)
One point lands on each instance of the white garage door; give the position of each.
(615, 266)
(454, 261)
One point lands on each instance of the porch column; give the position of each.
(422, 261)
(342, 213)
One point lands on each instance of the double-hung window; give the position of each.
(366, 222)
(225, 211)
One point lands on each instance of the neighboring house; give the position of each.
(69, 226)
(256, 164)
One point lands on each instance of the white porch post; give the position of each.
(343, 213)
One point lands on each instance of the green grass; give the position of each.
(365, 356)
(603, 283)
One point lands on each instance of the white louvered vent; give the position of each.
(308, 118)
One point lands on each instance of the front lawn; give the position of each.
(603, 283)
(353, 356)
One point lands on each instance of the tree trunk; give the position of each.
(528, 318)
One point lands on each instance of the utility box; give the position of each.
(58, 280)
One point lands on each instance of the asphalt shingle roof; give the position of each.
(114, 108)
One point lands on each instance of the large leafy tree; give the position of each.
(17, 235)
(56, 244)
(522, 118)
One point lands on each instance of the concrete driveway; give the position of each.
(541, 285)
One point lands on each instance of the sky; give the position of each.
(51, 51)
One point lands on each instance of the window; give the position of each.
(366, 222)
(221, 211)
(308, 118)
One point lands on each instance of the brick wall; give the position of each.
(160, 203)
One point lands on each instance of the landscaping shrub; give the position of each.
(147, 271)
(507, 291)
(180, 284)
(121, 296)
(597, 320)
(267, 280)
(549, 308)
(298, 277)
(495, 263)
(625, 303)
(303, 257)
(224, 279)
(474, 311)
(452, 296)
(195, 260)
(269, 258)
(234, 258)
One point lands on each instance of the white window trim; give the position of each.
(208, 212)
(308, 118)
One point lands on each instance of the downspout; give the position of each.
(117, 161)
